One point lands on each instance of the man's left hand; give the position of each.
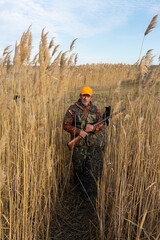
(89, 128)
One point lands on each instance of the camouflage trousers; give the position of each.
(88, 164)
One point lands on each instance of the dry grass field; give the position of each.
(37, 200)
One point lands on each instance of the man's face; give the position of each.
(85, 98)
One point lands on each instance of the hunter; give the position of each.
(87, 155)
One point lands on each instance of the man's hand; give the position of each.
(83, 134)
(89, 128)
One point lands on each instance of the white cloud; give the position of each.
(85, 17)
(76, 18)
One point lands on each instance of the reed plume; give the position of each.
(148, 30)
(6, 50)
(16, 58)
(151, 25)
(34, 61)
(5, 60)
(51, 44)
(44, 55)
(72, 44)
(55, 63)
(44, 38)
(29, 45)
(70, 59)
(76, 59)
(145, 62)
(63, 60)
(55, 49)
(24, 47)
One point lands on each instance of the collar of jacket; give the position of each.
(81, 106)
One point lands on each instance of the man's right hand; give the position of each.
(83, 134)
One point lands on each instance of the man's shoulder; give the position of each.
(73, 108)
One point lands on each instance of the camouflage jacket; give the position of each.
(76, 119)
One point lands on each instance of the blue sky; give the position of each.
(108, 31)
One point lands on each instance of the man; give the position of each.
(87, 155)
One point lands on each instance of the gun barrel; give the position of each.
(110, 116)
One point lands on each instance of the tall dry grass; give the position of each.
(128, 204)
(129, 194)
(31, 155)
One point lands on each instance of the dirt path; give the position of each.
(75, 219)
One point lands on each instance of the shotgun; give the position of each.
(74, 141)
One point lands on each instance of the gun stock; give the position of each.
(73, 142)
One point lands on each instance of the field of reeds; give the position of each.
(37, 200)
